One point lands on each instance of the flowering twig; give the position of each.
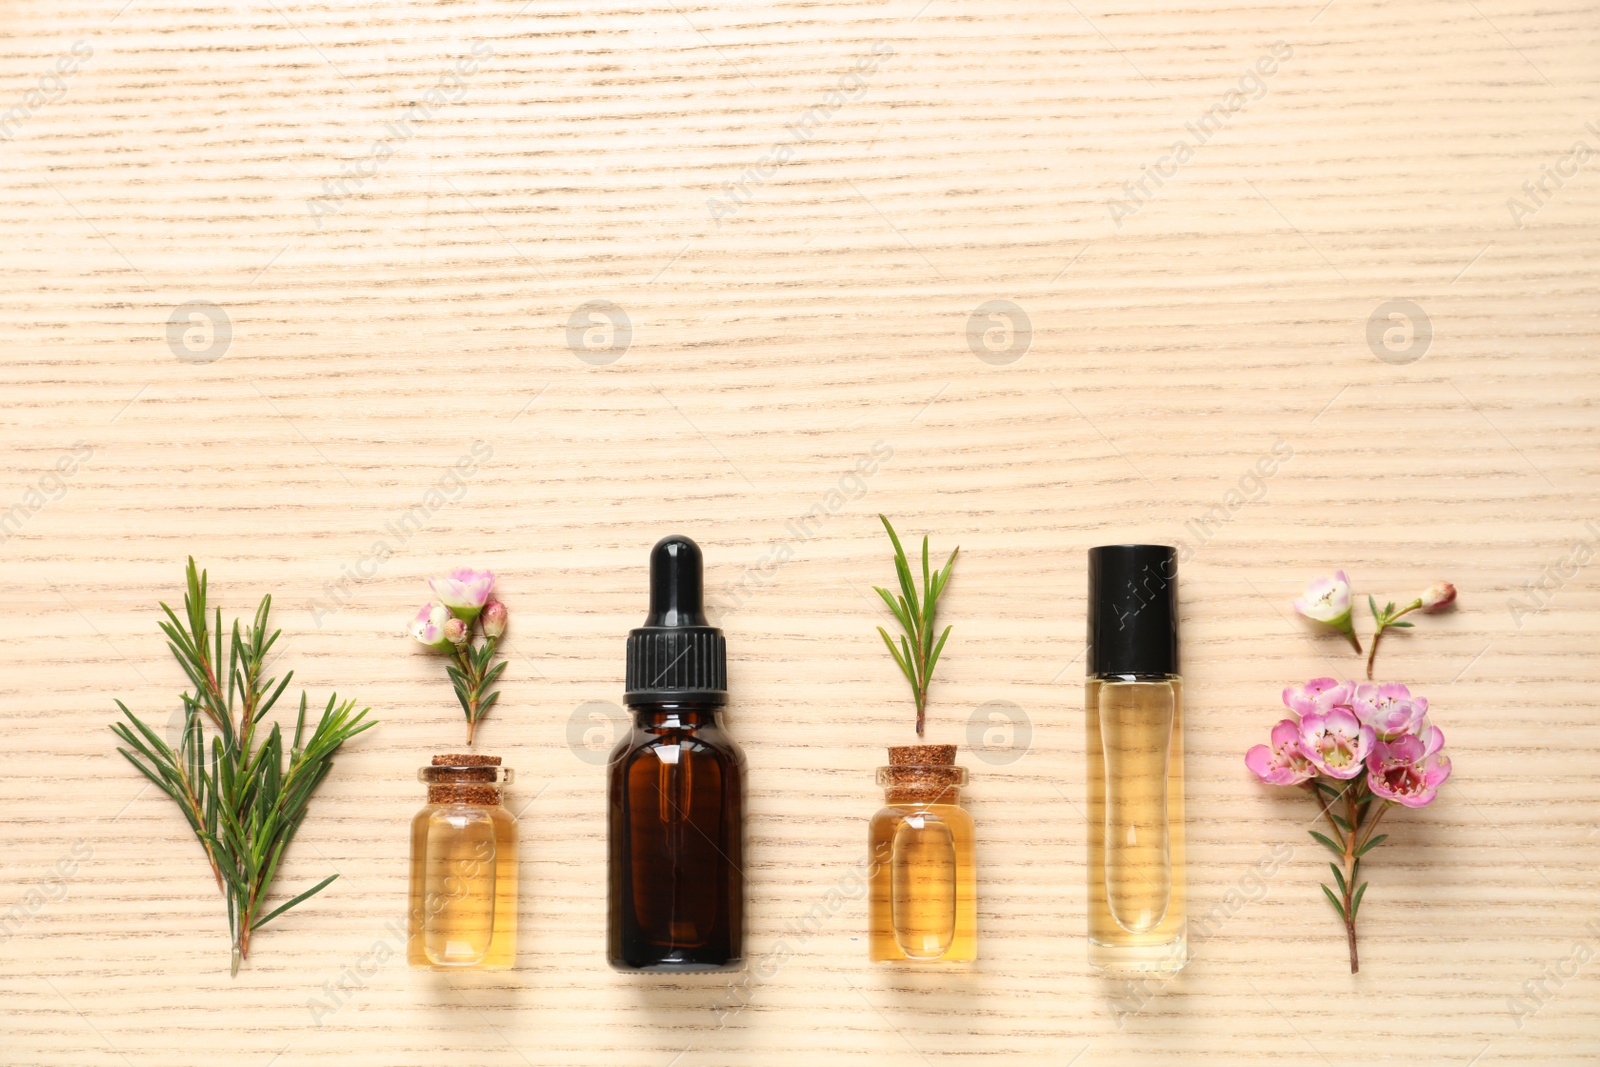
(1358, 748)
(449, 626)
(1436, 596)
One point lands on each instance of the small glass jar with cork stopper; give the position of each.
(924, 902)
(463, 903)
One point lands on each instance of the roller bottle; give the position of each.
(1134, 755)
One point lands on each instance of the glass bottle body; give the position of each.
(462, 907)
(1134, 757)
(923, 905)
(676, 837)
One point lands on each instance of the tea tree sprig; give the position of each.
(917, 652)
(243, 805)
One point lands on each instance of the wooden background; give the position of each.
(799, 207)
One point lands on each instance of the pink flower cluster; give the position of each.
(465, 595)
(1344, 728)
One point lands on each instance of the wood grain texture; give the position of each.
(398, 248)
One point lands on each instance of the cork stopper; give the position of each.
(922, 755)
(465, 759)
(922, 774)
(465, 778)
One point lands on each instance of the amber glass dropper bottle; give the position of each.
(676, 892)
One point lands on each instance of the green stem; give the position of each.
(1327, 809)
(1350, 861)
(1383, 623)
(474, 690)
(1373, 825)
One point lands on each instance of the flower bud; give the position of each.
(494, 619)
(1438, 595)
(455, 631)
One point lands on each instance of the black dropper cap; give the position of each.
(1133, 610)
(676, 656)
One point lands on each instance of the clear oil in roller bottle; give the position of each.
(1134, 757)
(676, 788)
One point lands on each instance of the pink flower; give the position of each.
(464, 592)
(1318, 696)
(1283, 763)
(428, 626)
(1437, 596)
(1389, 709)
(1327, 600)
(1336, 743)
(1409, 770)
(1432, 740)
(494, 619)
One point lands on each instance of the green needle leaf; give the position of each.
(1355, 902)
(905, 668)
(1372, 844)
(1338, 876)
(286, 905)
(1335, 849)
(934, 658)
(1338, 907)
